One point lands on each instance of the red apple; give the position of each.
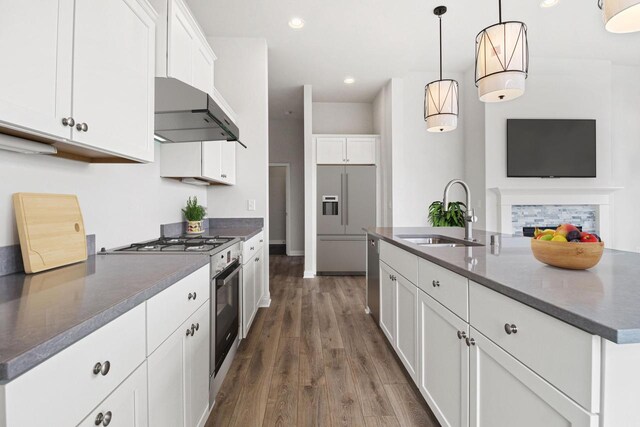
(589, 238)
(564, 229)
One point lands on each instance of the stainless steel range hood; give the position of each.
(184, 114)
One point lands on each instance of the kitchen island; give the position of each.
(557, 346)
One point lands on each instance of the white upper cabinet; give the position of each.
(36, 41)
(113, 94)
(70, 79)
(361, 151)
(344, 149)
(182, 48)
(210, 161)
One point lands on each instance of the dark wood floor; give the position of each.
(314, 358)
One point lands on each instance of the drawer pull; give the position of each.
(510, 328)
(104, 419)
(197, 326)
(462, 335)
(251, 248)
(435, 283)
(192, 296)
(189, 332)
(102, 368)
(470, 342)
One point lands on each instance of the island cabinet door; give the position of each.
(406, 312)
(444, 362)
(248, 295)
(505, 393)
(387, 302)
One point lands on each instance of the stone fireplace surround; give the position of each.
(599, 198)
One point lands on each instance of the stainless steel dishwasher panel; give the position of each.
(373, 277)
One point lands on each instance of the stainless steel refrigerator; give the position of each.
(346, 204)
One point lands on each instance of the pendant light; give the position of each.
(621, 16)
(502, 60)
(441, 96)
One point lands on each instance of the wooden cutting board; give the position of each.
(51, 230)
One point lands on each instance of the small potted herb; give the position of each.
(454, 217)
(194, 214)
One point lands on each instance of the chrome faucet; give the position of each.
(469, 217)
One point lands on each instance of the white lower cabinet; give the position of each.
(248, 295)
(259, 277)
(505, 393)
(406, 319)
(444, 362)
(179, 375)
(126, 406)
(387, 303)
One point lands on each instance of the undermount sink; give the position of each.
(435, 241)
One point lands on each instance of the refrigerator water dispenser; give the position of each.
(329, 205)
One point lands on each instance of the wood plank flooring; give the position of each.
(314, 358)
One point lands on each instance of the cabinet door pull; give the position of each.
(435, 283)
(197, 326)
(510, 328)
(82, 127)
(223, 176)
(68, 121)
(102, 368)
(189, 332)
(470, 341)
(462, 335)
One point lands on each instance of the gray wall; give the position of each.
(286, 145)
(277, 204)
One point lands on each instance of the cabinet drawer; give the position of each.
(64, 389)
(563, 355)
(126, 406)
(446, 287)
(251, 246)
(167, 310)
(401, 261)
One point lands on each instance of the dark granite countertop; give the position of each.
(604, 300)
(42, 314)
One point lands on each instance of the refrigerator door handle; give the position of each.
(341, 203)
(346, 198)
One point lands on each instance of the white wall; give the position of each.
(286, 145)
(342, 117)
(241, 77)
(423, 162)
(309, 185)
(120, 204)
(382, 125)
(474, 146)
(626, 155)
(556, 88)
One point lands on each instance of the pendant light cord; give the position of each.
(500, 11)
(440, 21)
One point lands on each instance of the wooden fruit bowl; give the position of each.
(572, 256)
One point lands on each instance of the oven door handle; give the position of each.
(222, 282)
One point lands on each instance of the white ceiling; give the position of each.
(375, 40)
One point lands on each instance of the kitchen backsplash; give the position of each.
(543, 215)
(11, 257)
(179, 228)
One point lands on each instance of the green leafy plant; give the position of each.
(454, 217)
(193, 211)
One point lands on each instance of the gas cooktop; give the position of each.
(202, 244)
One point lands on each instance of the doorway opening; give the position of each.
(279, 208)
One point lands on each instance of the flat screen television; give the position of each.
(551, 148)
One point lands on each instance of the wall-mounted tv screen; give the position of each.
(551, 148)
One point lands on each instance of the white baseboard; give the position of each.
(296, 253)
(265, 301)
(277, 242)
(309, 275)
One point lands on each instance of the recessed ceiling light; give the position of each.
(548, 3)
(296, 23)
(349, 80)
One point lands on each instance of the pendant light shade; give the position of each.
(502, 60)
(621, 16)
(441, 96)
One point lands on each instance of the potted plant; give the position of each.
(454, 217)
(194, 214)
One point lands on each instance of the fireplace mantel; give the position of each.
(596, 196)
